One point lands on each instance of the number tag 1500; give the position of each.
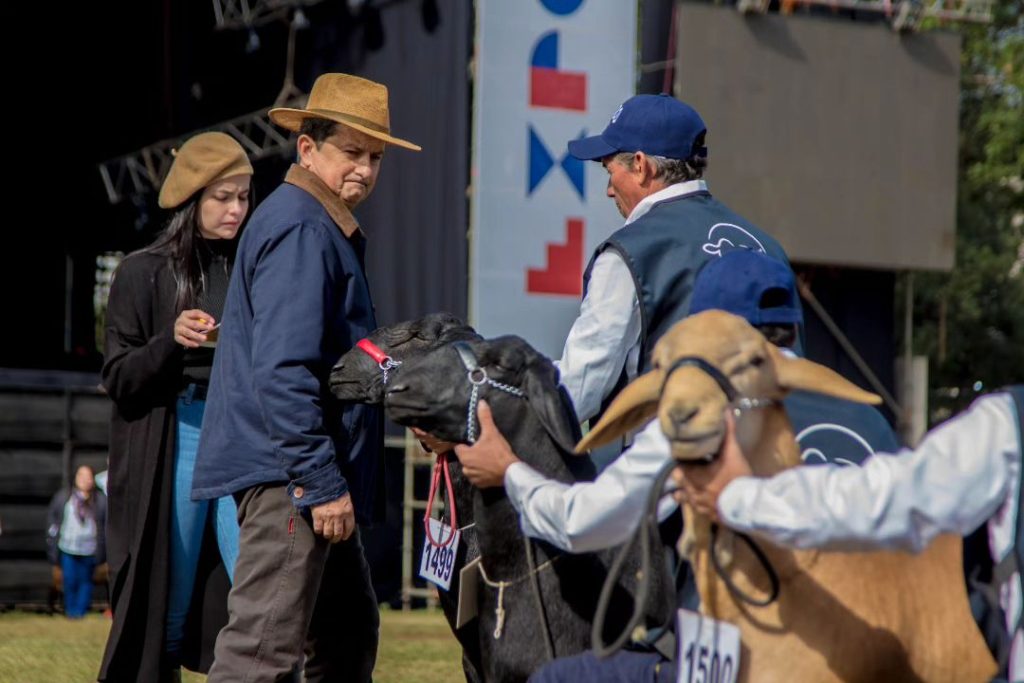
(709, 650)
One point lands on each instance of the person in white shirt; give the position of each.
(639, 280)
(589, 516)
(965, 472)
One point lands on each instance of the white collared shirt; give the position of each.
(606, 336)
(965, 472)
(592, 515)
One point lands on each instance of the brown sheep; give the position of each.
(853, 617)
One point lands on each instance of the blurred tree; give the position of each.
(970, 321)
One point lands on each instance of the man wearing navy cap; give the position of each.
(762, 290)
(639, 281)
(590, 516)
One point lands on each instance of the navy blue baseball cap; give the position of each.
(750, 284)
(652, 124)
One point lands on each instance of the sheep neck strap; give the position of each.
(477, 377)
(385, 362)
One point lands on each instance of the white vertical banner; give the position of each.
(547, 71)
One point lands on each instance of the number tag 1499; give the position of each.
(709, 650)
(437, 563)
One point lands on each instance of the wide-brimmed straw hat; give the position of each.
(349, 100)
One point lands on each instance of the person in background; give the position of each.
(75, 539)
(101, 481)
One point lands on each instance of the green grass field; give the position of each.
(415, 647)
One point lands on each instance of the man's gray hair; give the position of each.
(669, 171)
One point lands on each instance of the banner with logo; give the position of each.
(547, 71)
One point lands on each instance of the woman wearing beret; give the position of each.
(170, 558)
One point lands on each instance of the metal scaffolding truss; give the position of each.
(233, 14)
(142, 171)
(904, 14)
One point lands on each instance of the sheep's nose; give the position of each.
(336, 372)
(680, 415)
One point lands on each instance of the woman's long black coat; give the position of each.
(142, 373)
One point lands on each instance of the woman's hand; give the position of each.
(191, 327)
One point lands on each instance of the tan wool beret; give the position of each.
(201, 161)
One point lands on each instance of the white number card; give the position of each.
(709, 650)
(438, 561)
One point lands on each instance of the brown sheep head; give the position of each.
(690, 403)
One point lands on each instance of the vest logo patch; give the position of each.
(826, 442)
(724, 237)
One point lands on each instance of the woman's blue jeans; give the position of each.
(77, 571)
(188, 522)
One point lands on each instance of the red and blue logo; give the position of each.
(552, 87)
(541, 161)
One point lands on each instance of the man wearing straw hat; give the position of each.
(302, 466)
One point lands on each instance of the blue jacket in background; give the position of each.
(834, 430)
(298, 299)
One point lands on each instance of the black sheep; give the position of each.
(433, 391)
(358, 377)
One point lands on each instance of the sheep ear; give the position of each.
(438, 325)
(552, 405)
(800, 373)
(634, 406)
(396, 335)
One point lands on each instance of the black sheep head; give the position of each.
(433, 390)
(357, 377)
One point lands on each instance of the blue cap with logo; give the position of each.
(750, 284)
(653, 124)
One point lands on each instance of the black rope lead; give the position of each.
(773, 578)
(549, 642)
(648, 523)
